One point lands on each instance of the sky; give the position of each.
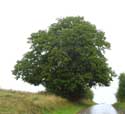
(20, 18)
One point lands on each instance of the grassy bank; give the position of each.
(12, 102)
(120, 106)
(72, 108)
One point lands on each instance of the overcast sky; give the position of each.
(20, 18)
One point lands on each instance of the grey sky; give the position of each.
(19, 18)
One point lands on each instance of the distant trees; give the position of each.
(121, 89)
(68, 58)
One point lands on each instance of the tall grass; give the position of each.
(12, 102)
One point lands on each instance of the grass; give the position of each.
(120, 106)
(13, 102)
(72, 108)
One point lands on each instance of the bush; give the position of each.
(121, 89)
(88, 94)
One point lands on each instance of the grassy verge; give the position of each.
(12, 102)
(72, 108)
(120, 106)
(69, 109)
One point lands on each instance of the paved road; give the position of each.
(100, 109)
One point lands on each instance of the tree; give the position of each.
(121, 89)
(67, 59)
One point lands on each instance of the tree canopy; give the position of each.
(121, 89)
(67, 59)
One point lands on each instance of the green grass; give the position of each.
(69, 109)
(72, 108)
(12, 102)
(120, 106)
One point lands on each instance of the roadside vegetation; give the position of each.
(13, 102)
(120, 105)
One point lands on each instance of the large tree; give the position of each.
(67, 59)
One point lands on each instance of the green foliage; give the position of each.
(121, 89)
(67, 59)
(88, 94)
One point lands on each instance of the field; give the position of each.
(13, 102)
